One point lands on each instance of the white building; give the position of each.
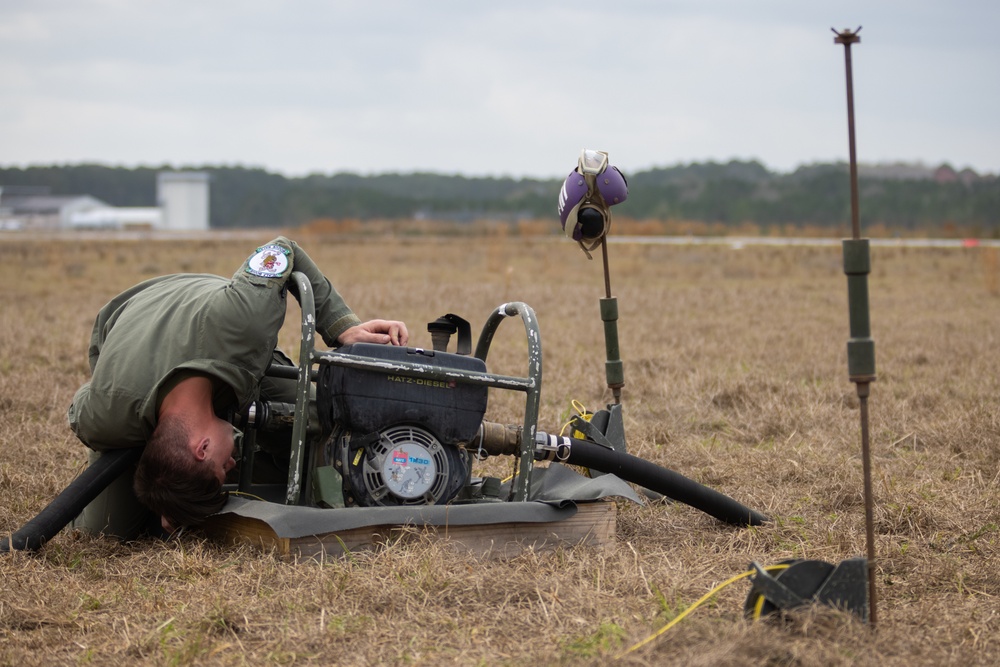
(34, 208)
(183, 198)
(118, 217)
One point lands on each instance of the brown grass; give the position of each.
(735, 376)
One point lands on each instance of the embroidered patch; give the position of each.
(269, 262)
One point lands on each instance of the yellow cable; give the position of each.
(700, 602)
(245, 495)
(581, 411)
(758, 605)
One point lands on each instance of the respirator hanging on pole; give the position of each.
(586, 197)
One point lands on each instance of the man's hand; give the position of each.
(384, 332)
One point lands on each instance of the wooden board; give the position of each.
(593, 525)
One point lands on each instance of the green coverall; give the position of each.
(151, 336)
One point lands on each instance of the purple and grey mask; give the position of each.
(586, 196)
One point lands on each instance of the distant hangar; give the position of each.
(182, 199)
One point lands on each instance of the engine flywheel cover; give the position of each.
(409, 470)
(401, 465)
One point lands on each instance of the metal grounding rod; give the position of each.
(860, 347)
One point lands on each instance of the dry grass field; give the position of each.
(736, 376)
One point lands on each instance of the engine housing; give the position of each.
(398, 439)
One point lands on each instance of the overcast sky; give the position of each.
(512, 88)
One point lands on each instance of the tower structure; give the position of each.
(183, 198)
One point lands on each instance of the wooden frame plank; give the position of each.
(593, 525)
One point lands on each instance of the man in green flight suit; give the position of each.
(168, 357)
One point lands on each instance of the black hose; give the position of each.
(655, 478)
(68, 504)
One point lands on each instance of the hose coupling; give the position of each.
(551, 447)
(495, 440)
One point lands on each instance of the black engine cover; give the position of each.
(367, 401)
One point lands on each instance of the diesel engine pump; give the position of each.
(403, 426)
(397, 439)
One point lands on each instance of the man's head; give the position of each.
(182, 470)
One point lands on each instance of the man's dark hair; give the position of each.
(171, 482)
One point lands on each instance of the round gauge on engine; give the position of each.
(409, 470)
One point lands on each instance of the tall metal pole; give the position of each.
(860, 347)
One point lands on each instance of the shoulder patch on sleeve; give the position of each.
(269, 261)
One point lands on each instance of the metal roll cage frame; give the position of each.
(530, 384)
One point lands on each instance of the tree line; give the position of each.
(734, 193)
